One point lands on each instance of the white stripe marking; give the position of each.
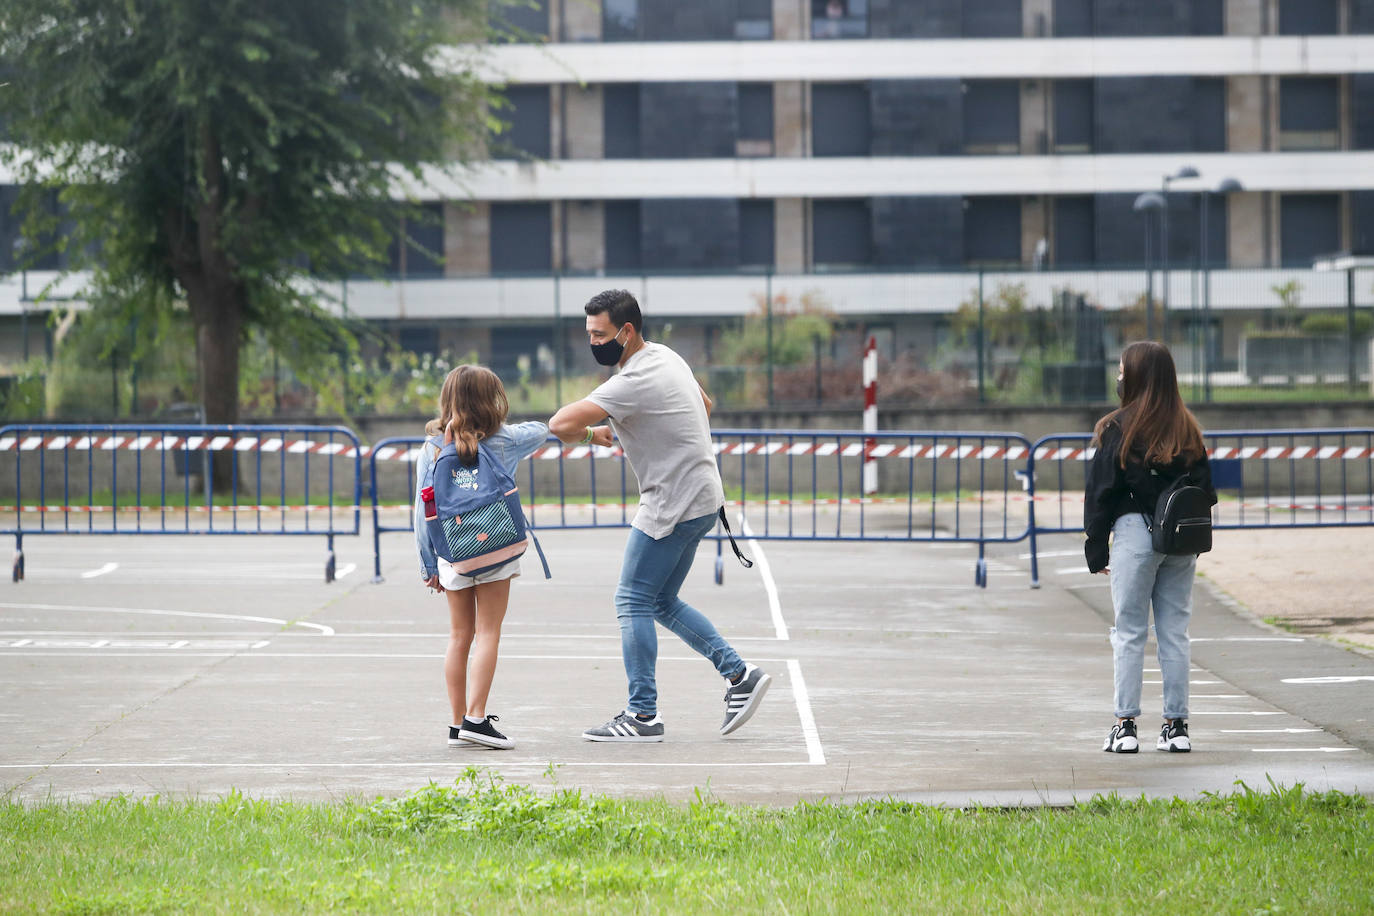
(1267, 731)
(1330, 679)
(1301, 750)
(447, 766)
(1218, 712)
(815, 754)
(348, 569)
(327, 631)
(93, 573)
(770, 587)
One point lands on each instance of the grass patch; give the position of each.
(483, 846)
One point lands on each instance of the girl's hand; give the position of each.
(601, 435)
(433, 583)
(1103, 571)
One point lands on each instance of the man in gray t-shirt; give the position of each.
(662, 418)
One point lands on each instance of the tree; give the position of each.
(232, 157)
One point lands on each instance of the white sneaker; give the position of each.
(1174, 737)
(1122, 738)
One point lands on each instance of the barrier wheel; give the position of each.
(980, 574)
(17, 571)
(329, 569)
(720, 570)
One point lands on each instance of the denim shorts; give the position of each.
(455, 581)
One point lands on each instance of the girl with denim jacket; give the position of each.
(472, 408)
(1142, 446)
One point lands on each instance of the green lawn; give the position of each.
(482, 847)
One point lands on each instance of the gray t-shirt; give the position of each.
(656, 409)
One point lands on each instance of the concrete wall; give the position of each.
(585, 224)
(581, 20)
(467, 239)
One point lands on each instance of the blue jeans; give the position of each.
(1141, 578)
(650, 577)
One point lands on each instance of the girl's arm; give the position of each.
(1103, 480)
(429, 564)
(517, 441)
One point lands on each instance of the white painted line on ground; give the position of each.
(815, 752)
(1049, 554)
(1267, 731)
(1195, 683)
(93, 573)
(91, 609)
(1330, 679)
(1248, 639)
(1072, 570)
(770, 587)
(1222, 712)
(348, 569)
(1221, 696)
(541, 763)
(1301, 750)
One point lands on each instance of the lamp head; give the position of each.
(1229, 185)
(1186, 171)
(1150, 200)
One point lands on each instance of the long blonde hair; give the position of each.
(472, 407)
(1154, 422)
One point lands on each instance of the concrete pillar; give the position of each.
(1245, 224)
(789, 235)
(1037, 18)
(1245, 17)
(556, 140)
(585, 225)
(1035, 225)
(467, 238)
(585, 136)
(1035, 116)
(1245, 114)
(791, 20)
(580, 20)
(791, 138)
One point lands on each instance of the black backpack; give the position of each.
(1182, 523)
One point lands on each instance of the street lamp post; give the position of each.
(1227, 186)
(1186, 171)
(1144, 204)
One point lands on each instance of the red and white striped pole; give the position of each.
(870, 416)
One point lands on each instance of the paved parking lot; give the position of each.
(189, 666)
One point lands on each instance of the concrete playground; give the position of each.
(190, 666)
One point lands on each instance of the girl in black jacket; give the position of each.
(1142, 446)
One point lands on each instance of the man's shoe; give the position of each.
(627, 727)
(1122, 739)
(742, 699)
(485, 734)
(1174, 737)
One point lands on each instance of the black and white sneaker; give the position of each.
(1174, 737)
(742, 699)
(1122, 738)
(627, 727)
(485, 734)
(453, 739)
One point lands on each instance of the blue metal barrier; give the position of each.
(1271, 478)
(303, 467)
(784, 485)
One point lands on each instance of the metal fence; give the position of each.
(161, 479)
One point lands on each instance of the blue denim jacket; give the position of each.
(511, 444)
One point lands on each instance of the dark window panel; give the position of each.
(1209, 115)
(1209, 17)
(840, 233)
(755, 134)
(620, 120)
(622, 235)
(512, 346)
(417, 248)
(1309, 226)
(620, 20)
(1362, 110)
(1309, 112)
(755, 22)
(699, 20)
(521, 238)
(1134, 18)
(530, 17)
(1308, 17)
(992, 116)
(916, 117)
(918, 232)
(1073, 232)
(839, 18)
(690, 234)
(756, 246)
(992, 18)
(1362, 222)
(1218, 218)
(839, 119)
(1073, 116)
(528, 117)
(422, 339)
(992, 230)
(1073, 18)
(1145, 114)
(907, 19)
(1120, 231)
(688, 120)
(1362, 17)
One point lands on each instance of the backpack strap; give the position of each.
(540, 550)
(745, 561)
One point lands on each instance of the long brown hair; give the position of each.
(1154, 422)
(472, 407)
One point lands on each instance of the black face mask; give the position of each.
(608, 353)
(1120, 390)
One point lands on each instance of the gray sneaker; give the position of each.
(742, 699)
(627, 727)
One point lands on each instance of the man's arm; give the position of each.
(573, 420)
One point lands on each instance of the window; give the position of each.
(1073, 116)
(756, 233)
(526, 19)
(620, 20)
(528, 120)
(755, 134)
(992, 18)
(622, 235)
(1309, 112)
(422, 339)
(521, 238)
(839, 18)
(1308, 17)
(620, 120)
(840, 233)
(1074, 231)
(1309, 226)
(1073, 18)
(690, 234)
(992, 116)
(755, 21)
(839, 119)
(992, 231)
(1209, 115)
(1362, 109)
(417, 248)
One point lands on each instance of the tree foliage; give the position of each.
(231, 157)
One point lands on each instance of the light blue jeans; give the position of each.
(650, 578)
(1141, 578)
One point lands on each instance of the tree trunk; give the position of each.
(217, 336)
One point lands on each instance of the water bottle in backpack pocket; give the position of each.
(478, 524)
(1182, 523)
